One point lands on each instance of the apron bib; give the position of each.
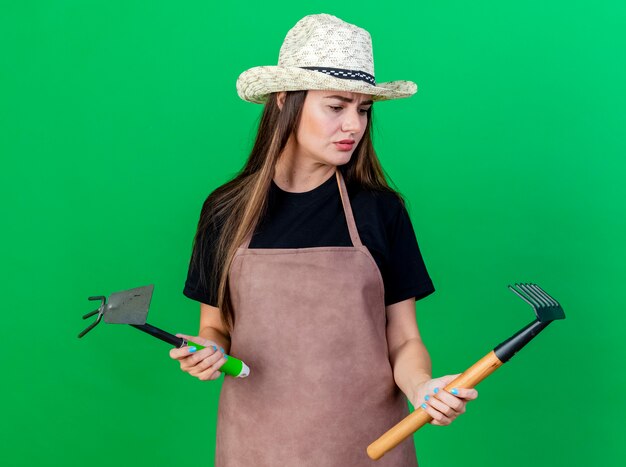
(310, 324)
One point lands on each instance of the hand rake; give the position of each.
(547, 310)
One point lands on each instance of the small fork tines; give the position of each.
(546, 308)
(99, 310)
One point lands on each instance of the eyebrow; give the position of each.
(347, 99)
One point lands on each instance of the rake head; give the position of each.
(546, 308)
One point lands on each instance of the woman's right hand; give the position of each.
(205, 363)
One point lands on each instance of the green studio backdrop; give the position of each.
(118, 118)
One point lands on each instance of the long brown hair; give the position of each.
(235, 208)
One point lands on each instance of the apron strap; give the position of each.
(347, 209)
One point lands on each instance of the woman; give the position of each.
(307, 268)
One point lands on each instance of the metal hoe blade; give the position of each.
(130, 306)
(546, 308)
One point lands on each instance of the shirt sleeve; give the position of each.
(193, 288)
(405, 274)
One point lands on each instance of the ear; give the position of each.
(280, 99)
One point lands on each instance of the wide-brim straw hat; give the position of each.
(322, 52)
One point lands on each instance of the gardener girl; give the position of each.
(307, 268)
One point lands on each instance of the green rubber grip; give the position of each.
(233, 366)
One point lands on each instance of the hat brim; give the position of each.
(255, 84)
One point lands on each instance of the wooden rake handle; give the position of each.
(419, 417)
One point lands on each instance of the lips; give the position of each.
(345, 144)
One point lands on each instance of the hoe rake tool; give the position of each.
(131, 307)
(547, 309)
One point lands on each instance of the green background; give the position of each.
(117, 118)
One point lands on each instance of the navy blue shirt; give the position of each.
(316, 218)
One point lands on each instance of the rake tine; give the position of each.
(520, 295)
(91, 326)
(538, 300)
(550, 300)
(528, 289)
(530, 296)
(91, 313)
(100, 312)
(539, 295)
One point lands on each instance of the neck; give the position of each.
(298, 174)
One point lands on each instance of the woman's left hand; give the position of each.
(440, 404)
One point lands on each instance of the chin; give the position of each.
(341, 159)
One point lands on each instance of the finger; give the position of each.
(449, 410)
(456, 403)
(206, 363)
(189, 363)
(461, 393)
(212, 372)
(435, 422)
(437, 417)
(437, 384)
(186, 336)
(467, 394)
(181, 353)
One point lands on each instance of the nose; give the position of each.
(352, 121)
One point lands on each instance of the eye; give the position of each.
(335, 108)
(363, 111)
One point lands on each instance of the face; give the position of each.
(331, 126)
